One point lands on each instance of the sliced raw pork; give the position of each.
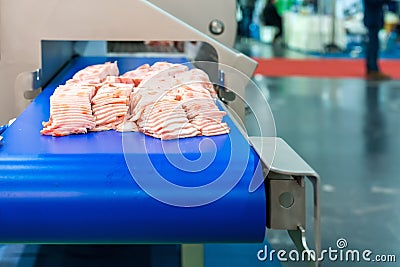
(96, 73)
(110, 105)
(70, 111)
(166, 120)
(164, 100)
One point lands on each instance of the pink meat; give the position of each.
(96, 73)
(196, 77)
(118, 79)
(164, 100)
(165, 119)
(110, 105)
(127, 126)
(70, 111)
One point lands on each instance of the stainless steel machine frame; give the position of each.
(29, 59)
(285, 180)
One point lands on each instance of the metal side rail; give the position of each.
(285, 182)
(3, 128)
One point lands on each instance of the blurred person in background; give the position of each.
(247, 10)
(271, 17)
(313, 4)
(393, 6)
(374, 21)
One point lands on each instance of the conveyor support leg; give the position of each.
(286, 174)
(192, 255)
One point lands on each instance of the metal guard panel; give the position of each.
(78, 189)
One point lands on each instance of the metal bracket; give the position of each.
(29, 83)
(286, 202)
(285, 180)
(224, 94)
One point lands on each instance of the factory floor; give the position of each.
(346, 129)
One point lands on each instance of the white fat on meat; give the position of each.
(96, 73)
(118, 79)
(110, 105)
(210, 127)
(70, 111)
(127, 126)
(169, 68)
(196, 77)
(166, 119)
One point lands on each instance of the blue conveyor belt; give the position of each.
(78, 188)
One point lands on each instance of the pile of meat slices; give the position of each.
(165, 100)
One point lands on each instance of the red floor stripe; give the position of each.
(332, 68)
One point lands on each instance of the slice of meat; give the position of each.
(118, 79)
(70, 111)
(166, 119)
(169, 69)
(127, 126)
(196, 77)
(96, 73)
(210, 127)
(177, 133)
(141, 73)
(110, 105)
